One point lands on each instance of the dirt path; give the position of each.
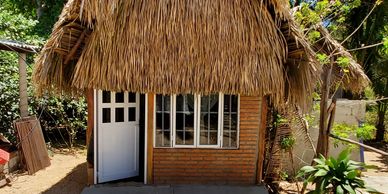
(373, 158)
(376, 178)
(67, 174)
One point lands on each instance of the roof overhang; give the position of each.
(19, 47)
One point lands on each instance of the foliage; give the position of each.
(19, 21)
(340, 175)
(287, 142)
(343, 62)
(365, 132)
(322, 58)
(279, 120)
(374, 59)
(284, 176)
(58, 115)
(369, 93)
(9, 86)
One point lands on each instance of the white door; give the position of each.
(117, 135)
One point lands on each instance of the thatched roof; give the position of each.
(178, 46)
(355, 80)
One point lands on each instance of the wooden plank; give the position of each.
(150, 137)
(89, 133)
(261, 141)
(32, 144)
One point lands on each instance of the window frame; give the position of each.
(173, 104)
(197, 112)
(154, 123)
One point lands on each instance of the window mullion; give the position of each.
(220, 119)
(184, 120)
(173, 119)
(197, 116)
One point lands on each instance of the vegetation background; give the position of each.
(63, 119)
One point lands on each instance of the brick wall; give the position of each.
(214, 166)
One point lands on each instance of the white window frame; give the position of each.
(173, 104)
(197, 102)
(154, 123)
(238, 125)
(219, 126)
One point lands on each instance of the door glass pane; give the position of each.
(106, 115)
(131, 97)
(105, 97)
(163, 127)
(119, 114)
(184, 120)
(132, 114)
(209, 120)
(120, 97)
(230, 121)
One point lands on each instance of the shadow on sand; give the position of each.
(73, 183)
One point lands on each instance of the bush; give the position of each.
(332, 175)
(56, 114)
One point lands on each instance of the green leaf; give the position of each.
(307, 169)
(351, 175)
(344, 155)
(319, 161)
(320, 172)
(349, 189)
(339, 190)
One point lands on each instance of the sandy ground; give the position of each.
(372, 158)
(376, 178)
(67, 174)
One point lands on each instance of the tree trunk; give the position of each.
(39, 9)
(382, 109)
(323, 138)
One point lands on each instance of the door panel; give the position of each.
(118, 135)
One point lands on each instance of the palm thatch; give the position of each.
(355, 80)
(248, 47)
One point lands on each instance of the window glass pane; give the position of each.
(132, 114)
(163, 127)
(119, 114)
(120, 97)
(106, 115)
(184, 120)
(230, 121)
(209, 120)
(105, 97)
(131, 97)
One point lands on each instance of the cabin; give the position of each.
(177, 90)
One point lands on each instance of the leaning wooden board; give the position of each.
(32, 144)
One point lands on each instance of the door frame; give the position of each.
(95, 136)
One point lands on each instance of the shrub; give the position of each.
(332, 175)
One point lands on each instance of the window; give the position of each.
(163, 127)
(208, 121)
(230, 125)
(184, 120)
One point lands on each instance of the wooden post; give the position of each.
(23, 95)
(89, 133)
(150, 137)
(261, 141)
